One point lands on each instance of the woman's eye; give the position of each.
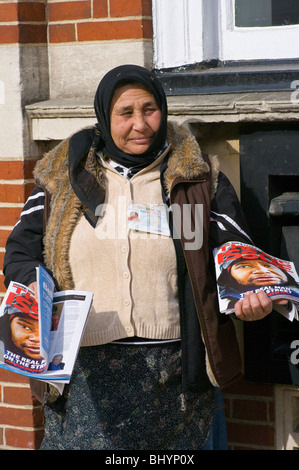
(150, 110)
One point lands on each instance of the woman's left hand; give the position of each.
(254, 306)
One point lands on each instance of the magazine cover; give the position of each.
(20, 332)
(40, 337)
(241, 268)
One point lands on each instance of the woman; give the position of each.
(141, 380)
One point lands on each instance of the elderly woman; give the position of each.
(155, 349)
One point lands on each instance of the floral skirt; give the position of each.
(127, 397)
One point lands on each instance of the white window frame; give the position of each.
(255, 43)
(193, 31)
(177, 35)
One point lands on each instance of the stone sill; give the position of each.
(57, 119)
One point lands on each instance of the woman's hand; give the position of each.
(33, 287)
(255, 306)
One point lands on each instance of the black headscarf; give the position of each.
(119, 76)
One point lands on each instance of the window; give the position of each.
(266, 30)
(195, 31)
(263, 13)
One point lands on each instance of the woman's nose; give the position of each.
(139, 122)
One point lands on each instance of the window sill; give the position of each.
(57, 119)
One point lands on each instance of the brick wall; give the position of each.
(99, 20)
(69, 21)
(23, 22)
(20, 413)
(250, 416)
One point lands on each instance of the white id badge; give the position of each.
(150, 219)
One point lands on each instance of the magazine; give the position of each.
(40, 338)
(241, 268)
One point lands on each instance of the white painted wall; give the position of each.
(23, 80)
(11, 121)
(76, 69)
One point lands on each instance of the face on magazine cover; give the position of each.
(257, 273)
(25, 336)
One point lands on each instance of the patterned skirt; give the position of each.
(127, 397)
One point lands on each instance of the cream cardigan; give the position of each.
(132, 274)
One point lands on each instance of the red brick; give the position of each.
(23, 33)
(253, 410)
(18, 396)
(120, 8)
(9, 215)
(33, 33)
(110, 30)
(2, 287)
(23, 439)
(7, 376)
(100, 9)
(28, 190)
(3, 237)
(8, 12)
(70, 10)
(15, 192)
(147, 7)
(147, 26)
(246, 434)
(22, 417)
(244, 387)
(31, 11)
(28, 166)
(1, 259)
(62, 33)
(9, 34)
(11, 170)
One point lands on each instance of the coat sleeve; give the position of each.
(227, 222)
(24, 247)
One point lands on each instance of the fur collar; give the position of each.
(52, 173)
(185, 161)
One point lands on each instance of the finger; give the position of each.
(261, 304)
(254, 306)
(242, 310)
(281, 301)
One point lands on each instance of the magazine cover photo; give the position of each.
(19, 331)
(242, 268)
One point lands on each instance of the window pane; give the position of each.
(258, 13)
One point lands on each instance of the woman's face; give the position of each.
(257, 272)
(134, 118)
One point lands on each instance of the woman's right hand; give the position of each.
(33, 287)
